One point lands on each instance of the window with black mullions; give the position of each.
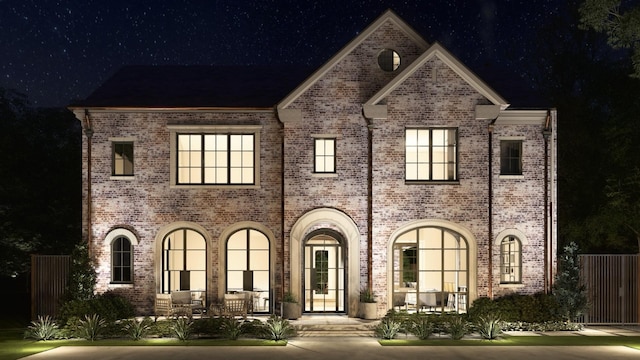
(122, 163)
(121, 252)
(216, 159)
(511, 157)
(325, 156)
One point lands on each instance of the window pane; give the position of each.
(511, 157)
(433, 151)
(197, 259)
(122, 158)
(247, 176)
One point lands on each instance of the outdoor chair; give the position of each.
(400, 300)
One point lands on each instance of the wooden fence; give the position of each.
(612, 284)
(49, 274)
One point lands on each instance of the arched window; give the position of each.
(430, 270)
(184, 261)
(510, 260)
(121, 260)
(248, 266)
(120, 243)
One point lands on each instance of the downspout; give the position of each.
(88, 131)
(490, 205)
(548, 282)
(282, 242)
(370, 204)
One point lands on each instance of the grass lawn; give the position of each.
(13, 346)
(630, 341)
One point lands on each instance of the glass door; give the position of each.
(324, 286)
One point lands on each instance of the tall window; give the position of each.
(122, 159)
(325, 156)
(184, 261)
(431, 154)
(121, 260)
(431, 269)
(511, 157)
(216, 159)
(510, 260)
(248, 266)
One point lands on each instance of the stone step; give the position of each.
(335, 330)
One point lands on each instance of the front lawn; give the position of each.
(630, 341)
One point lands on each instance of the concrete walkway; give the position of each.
(357, 348)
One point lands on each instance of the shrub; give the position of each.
(255, 328)
(182, 328)
(43, 329)
(137, 329)
(457, 326)
(489, 326)
(90, 327)
(231, 327)
(109, 306)
(388, 328)
(208, 326)
(420, 325)
(278, 328)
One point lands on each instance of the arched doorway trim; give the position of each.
(349, 230)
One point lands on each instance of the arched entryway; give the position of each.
(324, 272)
(327, 218)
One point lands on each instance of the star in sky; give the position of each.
(56, 51)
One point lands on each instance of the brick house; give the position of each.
(392, 166)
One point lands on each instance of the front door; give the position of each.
(324, 273)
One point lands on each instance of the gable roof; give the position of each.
(437, 50)
(196, 86)
(387, 16)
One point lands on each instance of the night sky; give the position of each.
(58, 51)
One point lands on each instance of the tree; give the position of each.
(40, 194)
(621, 24)
(82, 275)
(598, 131)
(569, 292)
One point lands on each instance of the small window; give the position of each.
(325, 156)
(122, 159)
(431, 154)
(121, 264)
(389, 60)
(510, 260)
(511, 157)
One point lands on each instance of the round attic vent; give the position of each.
(389, 60)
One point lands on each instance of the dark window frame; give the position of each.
(452, 165)
(318, 157)
(121, 260)
(119, 157)
(229, 166)
(511, 157)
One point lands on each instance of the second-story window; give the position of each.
(122, 158)
(225, 159)
(511, 157)
(324, 156)
(431, 154)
